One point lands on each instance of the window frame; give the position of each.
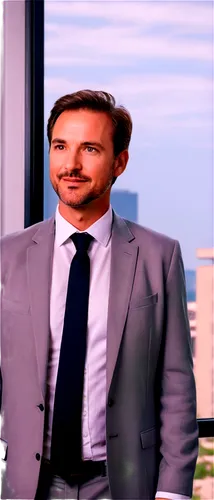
(37, 24)
(34, 111)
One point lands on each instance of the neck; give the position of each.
(83, 217)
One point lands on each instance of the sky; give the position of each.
(156, 58)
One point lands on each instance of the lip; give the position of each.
(72, 180)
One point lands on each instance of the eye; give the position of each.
(90, 148)
(59, 146)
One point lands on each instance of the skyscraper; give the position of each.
(204, 361)
(125, 204)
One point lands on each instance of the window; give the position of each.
(192, 315)
(156, 59)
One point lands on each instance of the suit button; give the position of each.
(110, 402)
(38, 456)
(41, 407)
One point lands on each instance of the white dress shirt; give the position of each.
(94, 391)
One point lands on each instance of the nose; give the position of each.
(73, 161)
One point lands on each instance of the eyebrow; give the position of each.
(85, 143)
(56, 140)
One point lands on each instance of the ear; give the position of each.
(121, 162)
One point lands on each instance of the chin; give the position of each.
(75, 200)
(71, 202)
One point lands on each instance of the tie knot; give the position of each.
(82, 241)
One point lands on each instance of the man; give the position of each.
(98, 392)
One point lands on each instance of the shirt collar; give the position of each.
(100, 230)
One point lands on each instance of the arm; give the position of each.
(178, 424)
(0, 389)
(0, 411)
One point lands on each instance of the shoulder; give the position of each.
(21, 239)
(155, 249)
(146, 236)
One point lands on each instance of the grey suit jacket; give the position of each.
(151, 427)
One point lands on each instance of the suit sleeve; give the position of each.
(178, 422)
(0, 389)
(0, 394)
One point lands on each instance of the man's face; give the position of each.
(82, 163)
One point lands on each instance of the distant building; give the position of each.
(190, 276)
(125, 204)
(204, 352)
(191, 306)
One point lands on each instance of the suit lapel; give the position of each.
(123, 265)
(39, 264)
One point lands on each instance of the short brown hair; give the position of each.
(96, 100)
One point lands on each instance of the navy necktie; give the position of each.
(67, 416)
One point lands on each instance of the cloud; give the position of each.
(155, 103)
(110, 46)
(197, 16)
(110, 33)
(99, 45)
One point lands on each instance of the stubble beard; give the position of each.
(84, 198)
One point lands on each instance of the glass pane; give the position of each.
(204, 473)
(156, 59)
